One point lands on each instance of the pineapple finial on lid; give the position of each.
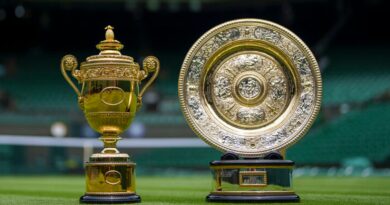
(110, 43)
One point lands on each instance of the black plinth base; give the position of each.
(251, 199)
(109, 199)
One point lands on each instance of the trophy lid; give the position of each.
(109, 64)
(110, 43)
(250, 87)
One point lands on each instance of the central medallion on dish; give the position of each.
(249, 88)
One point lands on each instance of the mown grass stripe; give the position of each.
(192, 190)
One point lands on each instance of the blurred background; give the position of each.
(42, 130)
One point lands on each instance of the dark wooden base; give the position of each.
(110, 199)
(251, 199)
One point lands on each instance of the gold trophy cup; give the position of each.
(110, 97)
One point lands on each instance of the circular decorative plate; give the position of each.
(249, 87)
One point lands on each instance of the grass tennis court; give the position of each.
(191, 190)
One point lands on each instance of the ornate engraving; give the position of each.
(267, 34)
(70, 62)
(112, 177)
(112, 96)
(150, 64)
(242, 86)
(197, 64)
(250, 116)
(249, 88)
(110, 72)
(255, 102)
(222, 88)
(194, 104)
(225, 36)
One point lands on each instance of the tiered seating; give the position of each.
(360, 133)
(38, 87)
(353, 76)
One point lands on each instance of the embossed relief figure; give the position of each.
(249, 88)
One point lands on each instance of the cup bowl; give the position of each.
(109, 106)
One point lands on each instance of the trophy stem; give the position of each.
(110, 144)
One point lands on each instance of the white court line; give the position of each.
(82, 142)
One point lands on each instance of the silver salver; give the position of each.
(250, 87)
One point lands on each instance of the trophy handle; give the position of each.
(69, 63)
(150, 64)
(128, 107)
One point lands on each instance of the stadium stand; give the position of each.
(352, 79)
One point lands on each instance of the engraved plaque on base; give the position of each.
(250, 88)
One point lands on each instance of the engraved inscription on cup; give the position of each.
(112, 177)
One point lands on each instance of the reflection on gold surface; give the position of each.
(110, 98)
(103, 178)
